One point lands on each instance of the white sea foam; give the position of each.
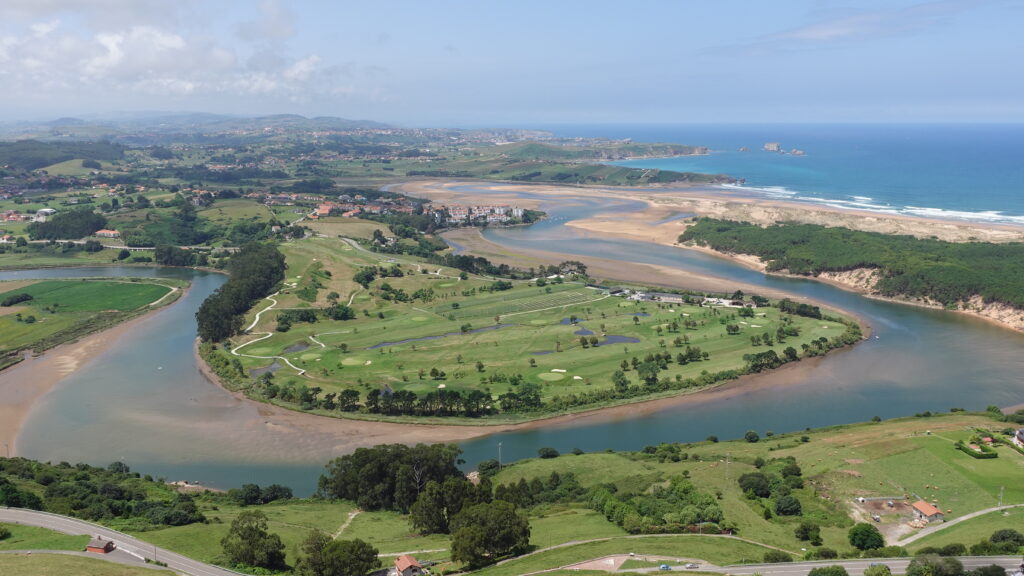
(868, 204)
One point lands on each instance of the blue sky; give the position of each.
(473, 63)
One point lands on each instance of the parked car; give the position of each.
(691, 566)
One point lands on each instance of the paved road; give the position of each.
(854, 567)
(944, 525)
(124, 542)
(117, 556)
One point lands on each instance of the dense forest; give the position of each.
(255, 270)
(73, 224)
(946, 272)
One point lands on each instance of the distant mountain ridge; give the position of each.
(156, 128)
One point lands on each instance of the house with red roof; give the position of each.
(925, 511)
(406, 565)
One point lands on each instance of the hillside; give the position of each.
(33, 154)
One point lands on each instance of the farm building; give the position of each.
(100, 546)
(925, 511)
(1018, 438)
(406, 565)
(108, 234)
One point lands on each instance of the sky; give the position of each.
(518, 63)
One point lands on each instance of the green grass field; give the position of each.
(66, 309)
(719, 551)
(32, 538)
(58, 565)
(397, 344)
(974, 530)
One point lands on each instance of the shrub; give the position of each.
(776, 556)
(788, 505)
(547, 452)
(751, 436)
(4, 533)
(828, 571)
(864, 536)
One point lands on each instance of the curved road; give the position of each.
(125, 543)
(936, 528)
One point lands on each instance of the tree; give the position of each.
(484, 532)
(864, 536)
(248, 542)
(808, 531)
(751, 436)
(311, 560)
(788, 505)
(932, 565)
(547, 452)
(350, 558)
(755, 483)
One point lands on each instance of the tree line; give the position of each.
(254, 272)
(945, 272)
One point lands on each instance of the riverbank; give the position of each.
(659, 223)
(23, 384)
(354, 432)
(716, 202)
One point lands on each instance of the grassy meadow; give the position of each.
(33, 538)
(61, 310)
(56, 564)
(461, 327)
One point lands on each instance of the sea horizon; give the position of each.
(958, 172)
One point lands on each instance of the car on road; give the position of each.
(691, 566)
(664, 567)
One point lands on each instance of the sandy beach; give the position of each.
(24, 383)
(655, 224)
(716, 203)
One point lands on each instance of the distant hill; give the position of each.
(33, 154)
(144, 129)
(608, 151)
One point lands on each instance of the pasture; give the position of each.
(62, 310)
(54, 564)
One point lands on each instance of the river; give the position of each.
(144, 401)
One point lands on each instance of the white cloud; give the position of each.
(274, 24)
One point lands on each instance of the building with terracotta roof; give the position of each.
(926, 511)
(100, 546)
(108, 234)
(406, 565)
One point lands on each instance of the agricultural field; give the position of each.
(61, 310)
(53, 564)
(421, 320)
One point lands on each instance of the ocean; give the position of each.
(961, 172)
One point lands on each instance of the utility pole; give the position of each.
(1001, 495)
(499, 456)
(727, 467)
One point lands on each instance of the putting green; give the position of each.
(419, 318)
(309, 356)
(538, 322)
(353, 362)
(446, 284)
(363, 297)
(551, 376)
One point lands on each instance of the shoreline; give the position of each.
(18, 395)
(651, 225)
(384, 431)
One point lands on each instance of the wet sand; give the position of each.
(716, 203)
(24, 383)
